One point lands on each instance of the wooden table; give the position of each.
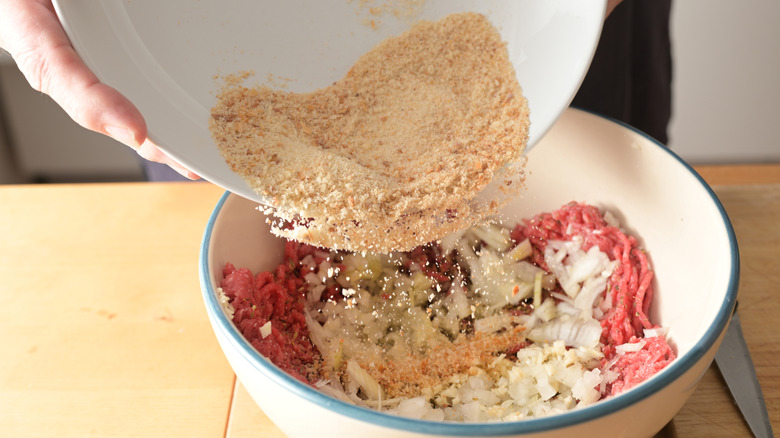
(103, 331)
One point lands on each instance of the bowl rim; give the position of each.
(603, 408)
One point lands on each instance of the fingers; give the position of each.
(32, 34)
(152, 153)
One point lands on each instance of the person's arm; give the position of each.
(611, 6)
(32, 34)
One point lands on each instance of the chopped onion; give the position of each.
(367, 383)
(224, 302)
(499, 321)
(522, 251)
(574, 332)
(415, 407)
(572, 266)
(653, 332)
(265, 329)
(589, 293)
(538, 288)
(308, 261)
(315, 293)
(449, 242)
(313, 279)
(547, 310)
(630, 347)
(495, 236)
(390, 312)
(585, 390)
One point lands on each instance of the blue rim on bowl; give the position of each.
(604, 407)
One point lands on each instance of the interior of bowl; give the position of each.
(587, 158)
(164, 56)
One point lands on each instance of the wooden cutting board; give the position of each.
(103, 331)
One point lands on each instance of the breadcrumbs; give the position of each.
(391, 156)
(411, 375)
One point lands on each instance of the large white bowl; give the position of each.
(163, 55)
(585, 157)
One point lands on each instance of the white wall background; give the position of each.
(726, 100)
(726, 83)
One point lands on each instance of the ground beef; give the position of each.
(279, 296)
(276, 296)
(637, 366)
(630, 287)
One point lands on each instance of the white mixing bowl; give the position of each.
(585, 157)
(164, 55)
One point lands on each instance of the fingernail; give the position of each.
(123, 135)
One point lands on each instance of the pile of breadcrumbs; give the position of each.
(393, 155)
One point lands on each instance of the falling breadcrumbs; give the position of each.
(393, 155)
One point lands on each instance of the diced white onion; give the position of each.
(630, 347)
(653, 332)
(574, 332)
(367, 383)
(265, 329)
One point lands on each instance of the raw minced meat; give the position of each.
(489, 323)
(275, 298)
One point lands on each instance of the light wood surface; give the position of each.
(102, 327)
(754, 210)
(103, 330)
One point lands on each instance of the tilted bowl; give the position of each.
(164, 55)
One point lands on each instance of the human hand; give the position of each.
(31, 32)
